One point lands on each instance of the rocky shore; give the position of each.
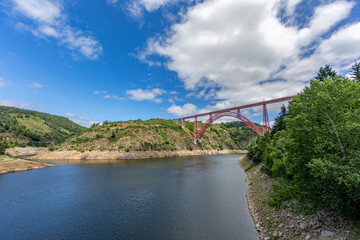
(272, 223)
(45, 154)
(94, 155)
(8, 164)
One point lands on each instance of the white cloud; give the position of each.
(136, 8)
(146, 94)
(246, 53)
(100, 92)
(291, 5)
(112, 2)
(20, 104)
(108, 96)
(83, 121)
(49, 21)
(339, 50)
(186, 110)
(36, 85)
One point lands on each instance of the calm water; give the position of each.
(175, 198)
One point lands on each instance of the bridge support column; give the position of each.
(266, 123)
(183, 123)
(195, 126)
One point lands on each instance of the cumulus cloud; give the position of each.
(183, 111)
(20, 104)
(238, 52)
(136, 8)
(83, 121)
(46, 19)
(291, 5)
(146, 94)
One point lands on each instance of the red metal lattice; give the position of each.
(213, 116)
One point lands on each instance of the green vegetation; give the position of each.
(158, 135)
(240, 133)
(325, 72)
(315, 148)
(355, 74)
(20, 127)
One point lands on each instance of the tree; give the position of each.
(326, 72)
(280, 123)
(323, 153)
(355, 74)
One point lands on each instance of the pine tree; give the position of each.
(326, 72)
(355, 74)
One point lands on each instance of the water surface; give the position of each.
(200, 197)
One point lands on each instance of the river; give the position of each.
(200, 197)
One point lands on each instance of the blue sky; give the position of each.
(118, 60)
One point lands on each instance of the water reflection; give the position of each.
(200, 197)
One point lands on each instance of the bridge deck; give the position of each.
(242, 107)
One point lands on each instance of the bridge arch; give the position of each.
(216, 116)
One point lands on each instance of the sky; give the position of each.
(98, 60)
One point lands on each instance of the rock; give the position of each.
(280, 234)
(307, 237)
(325, 233)
(266, 238)
(275, 233)
(302, 226)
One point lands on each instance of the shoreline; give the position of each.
(22, 159)
(112, 155)
(250, 202)
(282, 223)
(45, 154)
(9, 165)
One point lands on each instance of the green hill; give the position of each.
(20, 127)
(158, 135)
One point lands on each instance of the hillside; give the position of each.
(158, 135)
(20, 127)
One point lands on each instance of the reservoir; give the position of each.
(200, 197)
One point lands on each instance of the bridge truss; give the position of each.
(233, 112)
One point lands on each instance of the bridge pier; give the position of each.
(195, 126)
(266, 123)
(198, 142)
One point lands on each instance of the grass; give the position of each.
(35, 124)
(248, 168)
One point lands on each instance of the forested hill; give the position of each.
(158, 135)
(20, 127)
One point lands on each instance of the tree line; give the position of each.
(314, 146)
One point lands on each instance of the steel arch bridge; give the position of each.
(233, 112)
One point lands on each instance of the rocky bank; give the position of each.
(8, 164)
(99, 155)
(272, 223)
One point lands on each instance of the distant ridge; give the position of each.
(158, 135)
(20, 127)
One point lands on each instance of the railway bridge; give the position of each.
(233, 112)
